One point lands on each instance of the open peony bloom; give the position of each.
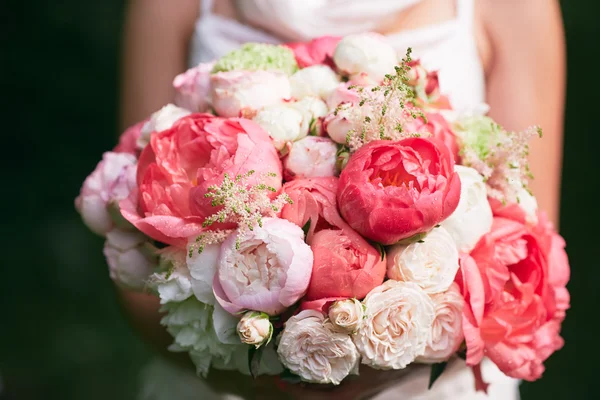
(242, 93)
(192, 88)
(397, 326)
(346, 266)
(317, 51)
(366, 54)
(311, 157)
(438, 127)
(446, 331)
(514, 283)
(112, 181)
(269, 272)
(473, 217)
(179, 165)
(392, 190)
(431, 263)
(311, 348)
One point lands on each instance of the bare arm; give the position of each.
(526, 83)
(155, 50)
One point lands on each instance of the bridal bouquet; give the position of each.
(302, 209)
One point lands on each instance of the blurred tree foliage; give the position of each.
(62, 335)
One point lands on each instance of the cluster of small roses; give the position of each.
(313, 194)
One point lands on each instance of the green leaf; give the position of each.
(289, 377)
(306, 227)
(436, 372)
(462, 354)
(381, 251)
(254, 357)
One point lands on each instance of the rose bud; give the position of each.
(392, 190)
(346, 315)
(192, 88)
(316, 81)
(311, 157)
(366, 53)
(255, 329)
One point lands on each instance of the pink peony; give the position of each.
(179, 165)
(515, 296)
(192, 88)
(345, 266)
(392, 190)
(269, 271)
(317, 51)
(438, 127)
(311, 157)
(128, 139)
(243, 93)
(112, 181)
(313, 200)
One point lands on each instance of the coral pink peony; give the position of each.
(317, 51)
(392, 190)
(515, 296)
(438, 127)
(179, 165)
(345, 266)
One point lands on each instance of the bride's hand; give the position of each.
(142, 312)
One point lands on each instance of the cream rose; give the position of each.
(397, 326)
(316, 81)
(431, 263)
(346, 315)
(159, 121)
(446, 332)
(310, 347)
(255, 329)
(473, 217)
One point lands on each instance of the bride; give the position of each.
(508, 54)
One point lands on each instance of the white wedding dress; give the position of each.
(448, 47)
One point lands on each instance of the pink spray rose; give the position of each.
(242, 93)
(192, 88)
(179, 165)
(312, 200)
(112, 181)
(513, 283)
(128, 139)
(317, 51)
(269, 271)
(438, 127)
(311, 157)
(392, 190)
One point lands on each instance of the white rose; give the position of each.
(255, 329)
(159, 121)
(366, 53)
(205, 332)
(310, 347)
(316, 81)
(112, 181)
(399, 316)
(473, 216)
(346, 315)
(236, 92)
(446, 332)
(129, 262)
(431, 263)
(311, 157)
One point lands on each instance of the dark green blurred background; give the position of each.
(62, 335)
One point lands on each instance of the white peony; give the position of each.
(366, 54)
(283, 124)
(473, 216)
(234, 93)
(255, 329)
(399, 317)
(446, 331)
(311, 157)
(159, 121)
(431, 263)
(310, 347)
(202, 268)
(129, 261)
(346, 315)
(112, 181)
(315, 81)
